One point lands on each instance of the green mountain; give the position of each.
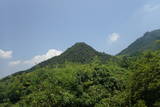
(150, 41)
(82, 83)
(87, 81)
(78, 53)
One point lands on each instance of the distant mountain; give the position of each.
(78, 53)
(150, 41)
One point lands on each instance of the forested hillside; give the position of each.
(83, 77)
(131, 84)
(150, 41)
(78, 53)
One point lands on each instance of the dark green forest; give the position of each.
(84, 77)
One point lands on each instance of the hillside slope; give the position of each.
(148, 42)
(135, 82)
(78, 53)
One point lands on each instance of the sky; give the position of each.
(32, 31)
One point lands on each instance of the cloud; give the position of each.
(37, 59)
(146, 17)
(40, 58)
(5, 54)
(151, 7)
(113, 37)
(14, 63)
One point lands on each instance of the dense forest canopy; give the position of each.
(83, 77)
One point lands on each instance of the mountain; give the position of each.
(78, 53)
(84, 83)
(150, 41)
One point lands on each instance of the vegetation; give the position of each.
(78, 53)
(150, 41)
(71, 85)
(83, 77)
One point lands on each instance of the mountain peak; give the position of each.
(80, 46)
(80, 43)
(80, 53)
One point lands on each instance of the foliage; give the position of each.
(146, 79)
(148, 42)
(78, 53)
(132, 81)
(70, 85)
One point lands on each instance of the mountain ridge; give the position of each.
(80, 52)
(149, 41)
(87, 82)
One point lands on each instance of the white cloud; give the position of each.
(113, 37)
(14, 63)
(151, 7)
(147, 16)
(37, 59)
(40, 58)
(5, 54)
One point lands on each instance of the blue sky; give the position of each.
(34, 30)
